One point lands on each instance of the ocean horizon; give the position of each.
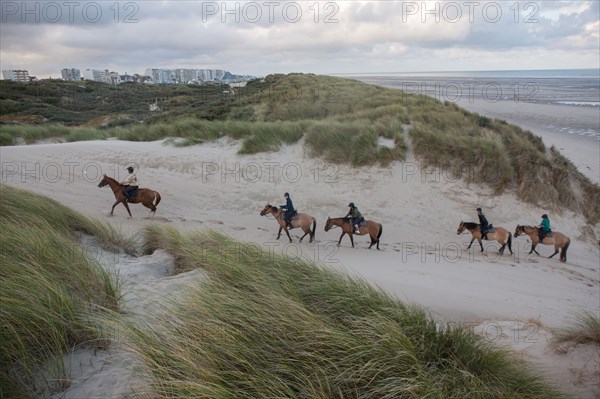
(582, 73)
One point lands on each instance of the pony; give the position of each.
(559, 240)
(148, 198)
(372, 228)
(499, 234)
(301, 220)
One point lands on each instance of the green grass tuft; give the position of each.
(264, 326)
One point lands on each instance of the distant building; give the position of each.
(70, 74)
(185, 75)
(161, 76)
(17, 75)
(104, 76)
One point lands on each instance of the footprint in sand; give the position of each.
(215, 221)
(238, 228)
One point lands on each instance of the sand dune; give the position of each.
(422, 260)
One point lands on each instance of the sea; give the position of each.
(560, 105)
(574, 87)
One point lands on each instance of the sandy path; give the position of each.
(422, 259)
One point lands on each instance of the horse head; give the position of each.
(461, 228)
(103, 182)
(328, 224)
(267, 209)
(519, 230)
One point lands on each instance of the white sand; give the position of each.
(422, 258)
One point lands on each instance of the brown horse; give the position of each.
(499, 234)
(559, 240)
(372, 228)
(148, 198)
(301, 220)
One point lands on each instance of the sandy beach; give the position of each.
(513, 300)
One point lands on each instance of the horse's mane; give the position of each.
(273, 207)
(470, 225)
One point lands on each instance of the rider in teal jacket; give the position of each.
(544, 229)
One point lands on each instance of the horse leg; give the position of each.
(113, 207)
(305, 233)
(555, 251)
(471, 243)
(480, 244)
(279, 232)
(351, 239)
(288, 234)
(501, 250)
(372, 242)
(127, 207)
(340, 241)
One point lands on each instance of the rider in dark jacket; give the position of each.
(289, 211)
(356, 216)
(483, 222)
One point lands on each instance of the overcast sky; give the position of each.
(264, 37)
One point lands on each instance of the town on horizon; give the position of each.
(150, 76)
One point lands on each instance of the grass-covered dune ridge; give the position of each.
(341, 120)
(49, 287)
(264, 326)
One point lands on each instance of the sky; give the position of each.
(324, 37)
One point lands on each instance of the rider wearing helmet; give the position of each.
(484, 224)
(355, 217)
(544, 228)
(289, 211)
(130, 182)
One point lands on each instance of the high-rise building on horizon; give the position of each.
(70, 74)
(17, 75)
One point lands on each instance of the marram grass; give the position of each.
(49, 287)
(265, 326)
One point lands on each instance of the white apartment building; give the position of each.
(17, 75)
(70, 74)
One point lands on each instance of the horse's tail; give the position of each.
(156, 199)
(510, 242)
(380, 231)
(314, 229)
(563, 253)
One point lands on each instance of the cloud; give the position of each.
(261, 37)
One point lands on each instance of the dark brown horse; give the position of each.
(148, 198)
(499, 234)
(559, 240)
(301, 220)
(372, 228)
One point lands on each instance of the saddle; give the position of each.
(490, 229)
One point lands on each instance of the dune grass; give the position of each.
(49, 287)
(265, 326)
(585, 329)
(342, 121)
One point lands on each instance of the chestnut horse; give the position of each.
(148, 198)
(372, 228)
(499, 234)
(301, 220)
(559, 240)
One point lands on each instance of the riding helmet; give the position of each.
(286, 194)
(351, 205)
(479, 209)
(130, 168)
(544, 216)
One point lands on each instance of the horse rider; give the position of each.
(289, 211)
(130, 182)
(355, 216)
(484, 224)
(544, 228)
